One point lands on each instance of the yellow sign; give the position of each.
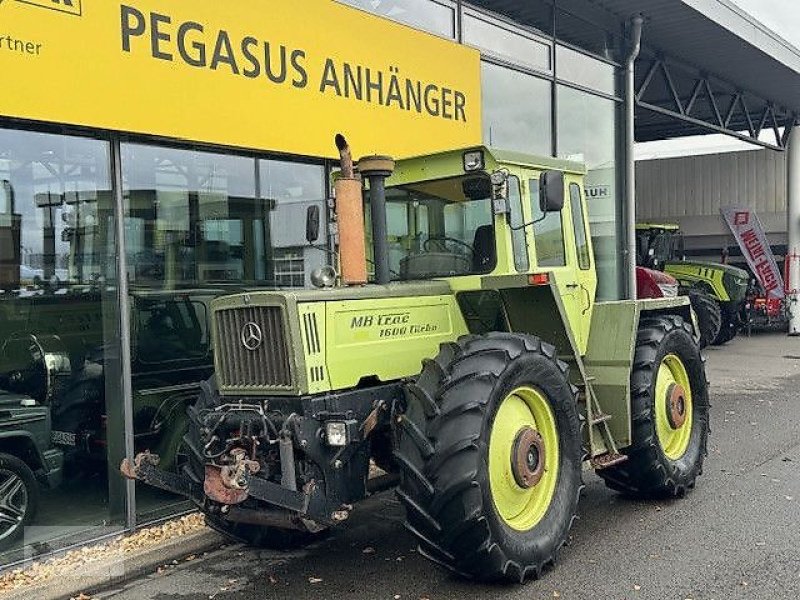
(279, 75)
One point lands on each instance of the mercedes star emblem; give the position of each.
(252, 337)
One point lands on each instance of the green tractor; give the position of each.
(718, 292)
(473, 370)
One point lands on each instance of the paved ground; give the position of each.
(737, 536)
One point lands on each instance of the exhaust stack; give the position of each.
(350, 218)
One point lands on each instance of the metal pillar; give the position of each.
(630, 166)
(793, 253)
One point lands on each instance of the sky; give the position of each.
(783, 17)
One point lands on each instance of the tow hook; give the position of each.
(229, 484)
(140, 461)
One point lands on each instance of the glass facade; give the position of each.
(587, 130)
(198, 223)
(430, 16)
(517, 109)
(60, 430)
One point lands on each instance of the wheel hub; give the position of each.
(528, 458)
(676, 406)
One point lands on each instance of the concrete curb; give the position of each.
(103, 575)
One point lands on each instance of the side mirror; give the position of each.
(312, 223)
(551, 191)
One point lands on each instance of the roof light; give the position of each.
(474, 161)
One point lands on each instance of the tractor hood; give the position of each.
(298, 342)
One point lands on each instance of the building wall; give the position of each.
(691, 190)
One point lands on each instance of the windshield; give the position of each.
(440, 228)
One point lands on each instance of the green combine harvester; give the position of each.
(718, 292)
(462, 358)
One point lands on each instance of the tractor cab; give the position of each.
(658, 245)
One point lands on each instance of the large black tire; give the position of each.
(709, 315)
(442, 451)
(649, 472)
(729, 328)
(18, 487)
(260, 536)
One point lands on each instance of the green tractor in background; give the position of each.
(717, 292)
(473, 370)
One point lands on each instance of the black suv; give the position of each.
(28, 461)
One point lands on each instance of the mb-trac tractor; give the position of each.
(717, 292)
(460, 356)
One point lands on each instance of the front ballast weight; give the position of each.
(247, 463)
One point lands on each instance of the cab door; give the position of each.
(555, 253)
(581, 246)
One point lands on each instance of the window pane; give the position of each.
(291, 188)
(581, 244)
(516, 111)
(521, 262)
(422, 14)
(440, 228)
(548, 232)
(586, 132)
(586, 71)
(196, 227)
(497, 41)
(588, 35)
(59, 372)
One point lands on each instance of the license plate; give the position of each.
(63, 438)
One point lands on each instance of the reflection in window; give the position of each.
(57, 338)
(199, 225)
(505, 44)
(588, 72)
(422, 14)
(586, 132)
(548, 232)
(516, 111)
(441, 228)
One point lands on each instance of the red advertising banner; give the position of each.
(749, 233)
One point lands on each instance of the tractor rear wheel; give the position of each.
(669, 404)
(489, 450)
(709, 315)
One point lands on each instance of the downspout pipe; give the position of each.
(630, 164)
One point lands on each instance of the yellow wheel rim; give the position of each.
(523, 415)
(673, 407)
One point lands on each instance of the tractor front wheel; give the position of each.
(669, 407)
(489, 449)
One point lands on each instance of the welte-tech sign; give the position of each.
(276, 75)
(749, 233)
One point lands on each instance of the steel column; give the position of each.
(793, 252)
(630, 164)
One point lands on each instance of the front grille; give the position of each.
(265, 365)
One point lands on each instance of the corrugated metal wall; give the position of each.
(690, 191)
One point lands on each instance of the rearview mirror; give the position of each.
(551, 191)
(312, 223)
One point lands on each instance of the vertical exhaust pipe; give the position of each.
(350, 218)
(376, 169)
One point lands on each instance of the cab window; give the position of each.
(581, 241)
(521, 262)
(549, 232)
(440, 228)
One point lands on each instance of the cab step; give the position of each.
(604, 461)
